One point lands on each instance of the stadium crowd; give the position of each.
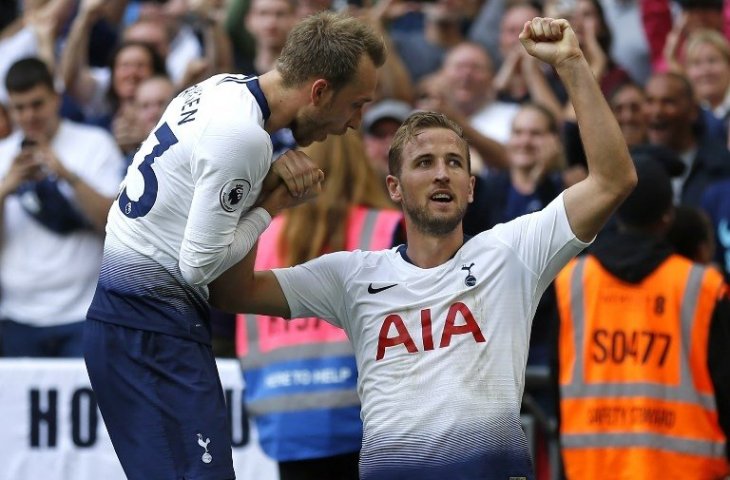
(84, 82)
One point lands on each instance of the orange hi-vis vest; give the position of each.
(636, 397)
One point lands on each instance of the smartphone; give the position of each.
(27, 143)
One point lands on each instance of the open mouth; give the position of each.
(442, 197)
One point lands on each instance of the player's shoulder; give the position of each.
(493, 236)
(351, 262)
(234, 111)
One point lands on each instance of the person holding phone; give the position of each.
(57, 182)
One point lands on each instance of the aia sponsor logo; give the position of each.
(394, 332)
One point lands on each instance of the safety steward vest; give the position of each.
(300, 375)
(637, 401)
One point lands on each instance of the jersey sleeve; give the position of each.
(543, 241)
(318, 287)
(228, 166)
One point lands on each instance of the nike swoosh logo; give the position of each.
(371, 289)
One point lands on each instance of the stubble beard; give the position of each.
(427, 223)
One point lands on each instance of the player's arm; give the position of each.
(218, 236)
(611, 173)
(240, 288)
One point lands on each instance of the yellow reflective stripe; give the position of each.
(304, 401)
(256, 360)
(630, 390)
(704, 448)
(687, 313)
(577, 310)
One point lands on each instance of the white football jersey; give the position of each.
(441, 352)
(179, 206)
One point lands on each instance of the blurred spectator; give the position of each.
(6, 125)
(487, 28)
(463, 91)
(716, 202)
(667, 32)
(32, 34)
(150, 99)
(691, 235)
(512, 23)
(467, 82)
(103, 93)
(157, 36)
(595, 37)
(675, 122)
(423, 50)
(640, 373)
(628, 103)
(166, 34)
(313, 429)
(521, 77)
(269, 21)
(189, 35)
(58, 182)
(379, 123)
(629, 46)
(242, 42)
(707, 66)
(532, 180)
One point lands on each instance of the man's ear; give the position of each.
(320, 91)
(394, 190)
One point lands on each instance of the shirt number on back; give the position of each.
(141, 207)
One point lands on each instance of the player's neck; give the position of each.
(283, 102)
(426, 250)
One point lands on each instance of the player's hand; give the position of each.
(280, 198)
(297, 171)
(550, 40)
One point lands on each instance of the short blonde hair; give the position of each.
(706, 36)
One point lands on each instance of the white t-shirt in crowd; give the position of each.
(46, 278)
(495, 120)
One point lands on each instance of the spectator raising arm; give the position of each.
(73, 68)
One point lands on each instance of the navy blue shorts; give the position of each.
(162, 402)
